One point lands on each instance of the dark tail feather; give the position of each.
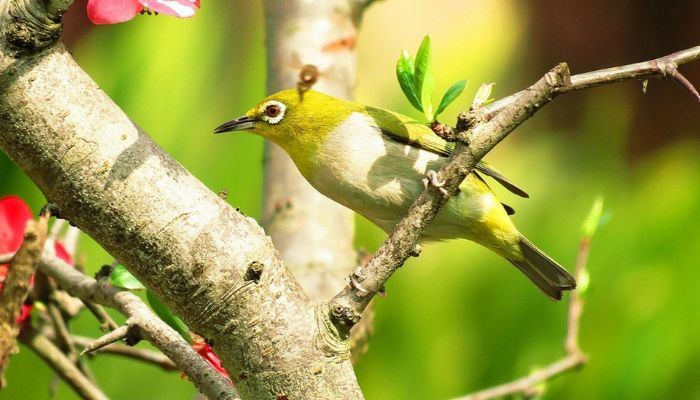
(544, 272)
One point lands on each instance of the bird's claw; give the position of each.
(431, 177)
(355, 278)
(359, 274)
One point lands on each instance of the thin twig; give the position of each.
(152, 357)
(62, 333)
(527, 385)
(53, 356)
(47, 293)
(151, 327)
(662, 67)
(111, 337)
(106, 322)
(573, 359)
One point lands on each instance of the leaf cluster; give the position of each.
(417, 81)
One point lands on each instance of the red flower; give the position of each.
(14, 215)
(204, 350)
(114, 11)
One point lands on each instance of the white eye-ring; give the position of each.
(273, 111)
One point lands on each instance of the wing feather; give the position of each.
(413, 133)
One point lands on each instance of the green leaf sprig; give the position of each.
(417, 82)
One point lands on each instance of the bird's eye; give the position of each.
(272, 110)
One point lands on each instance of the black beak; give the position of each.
(242, 123)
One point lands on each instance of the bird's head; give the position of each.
(297, 122)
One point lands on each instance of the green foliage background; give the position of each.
(458, 318)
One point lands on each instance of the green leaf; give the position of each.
(404, 73)
(592, 221)
(423, 79)
(121, 277)
(450, 95)
(483, 94)
(168, 317)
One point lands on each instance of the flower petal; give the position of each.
(14, 214)
(205, 350)
(176, 8)
(112, 11)
(62, 253)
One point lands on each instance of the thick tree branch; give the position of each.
(175, 235)
(149, 325)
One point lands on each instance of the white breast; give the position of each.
(365, 171)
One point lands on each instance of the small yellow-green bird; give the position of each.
(374, 162)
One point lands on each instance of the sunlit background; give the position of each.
(458, 318)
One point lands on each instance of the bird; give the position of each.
(374, 161)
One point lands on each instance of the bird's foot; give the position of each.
(431, 177)
(355, 278)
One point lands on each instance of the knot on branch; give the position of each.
(254, 272)
(34, 25)
(332, 333)
(558, 77)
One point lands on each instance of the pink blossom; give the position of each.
(115, 11)
(205, 350)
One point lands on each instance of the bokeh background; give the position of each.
(458, 318)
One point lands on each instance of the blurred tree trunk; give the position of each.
(313, 234)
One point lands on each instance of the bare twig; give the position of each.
(53, 356)
(662, 67)
(527, 385)
(62, 333)
(573, 359)
(106, 322)
(111, 337)
(150, 326)
(152, 357)
(46, 292)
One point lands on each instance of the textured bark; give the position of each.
(313, 234)
(181, 240)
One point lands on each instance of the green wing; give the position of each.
(405, 130)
